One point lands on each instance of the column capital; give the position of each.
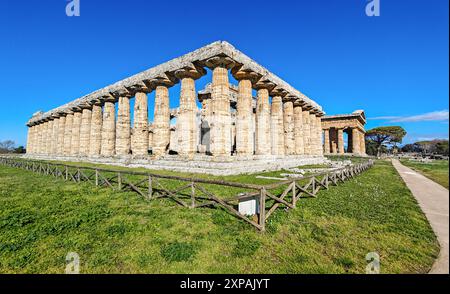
(244, 73)
(164, 80)
(278, 91)
(265, 83)
(119, 92)
(220, 61)
(190, 71)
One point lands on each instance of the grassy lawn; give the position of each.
(436, 170)
(42, 219)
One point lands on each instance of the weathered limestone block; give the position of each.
(123, 128)
(187, 128)
(55, 136)
(288, 120)
(61, 132)
(95, 139)
(76, 125)
(298, 130)
(340, 134)
(277, 127)
(108, 129)
(244, 119)
(263, 144)
(306, 132)
(68, 134)
(161, 122)
(326, 147)
(85, 131)
(220, 133)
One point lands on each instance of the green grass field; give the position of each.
(436, 170)
(42, 219)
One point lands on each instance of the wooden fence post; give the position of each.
(262, 209)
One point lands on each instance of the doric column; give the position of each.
(362, 149)
(288, 120)
(85, 130)
(355, 141)
(340, 137)
(298, 129)
(319, 135)
(220, 110)
(61, 132)
(306, 132)
(108, 128)
(187, 128)
(277, 127)
(333, 138)
(55, 132)
(29, 131)
(76, 125)
(96, 130)
(326, 147)
(68, 133)
(244, 111)
(38, 138)
(161, 122)
(313, 134)
(123, 127)
(47, 138)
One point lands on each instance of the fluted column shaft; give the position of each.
(288, 120)
(61, 131)
(355, 141)
(298, 130)
(277, 127)
(319, 135)
(263, 144)
(95, 135)
(48, 137)
(68, 134)
(187, 119)
(220, 134)
(340, 136)
(55, 133)
(306, 132)
(161, 122)
(123, 127)
(108, 129)
(362, 149)
(85, 131)
(313, 134)
(244, 119)
(326, 141)
(75, 142)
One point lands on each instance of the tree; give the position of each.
(20, 150)
(7, 146)
(382, 136)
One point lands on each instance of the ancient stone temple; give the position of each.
(337, 127)
(262, 123)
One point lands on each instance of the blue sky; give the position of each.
(394, 66)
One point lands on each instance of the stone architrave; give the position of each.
(277, 127)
